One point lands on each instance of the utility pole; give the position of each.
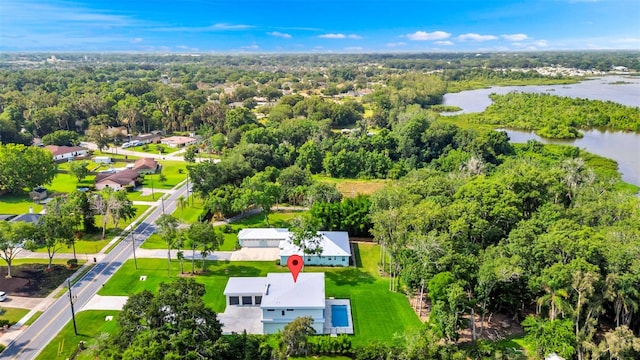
(162, 200)
(133, 247)
(73, 314)
(153, 197)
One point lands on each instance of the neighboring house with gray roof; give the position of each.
(336, 250)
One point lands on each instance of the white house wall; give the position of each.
(275, 320)
(320, 260)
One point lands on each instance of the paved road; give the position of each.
(32, 340)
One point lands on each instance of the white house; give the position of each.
(336, 250)
(280, 299)
(67, 152)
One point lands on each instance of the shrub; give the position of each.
(129, 188)
(4, 322)
(72, 263)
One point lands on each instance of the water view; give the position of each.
(623, 147)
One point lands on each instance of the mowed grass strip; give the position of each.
(91, 324)
(378, 314)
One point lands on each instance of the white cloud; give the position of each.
(426, 36)
(476, 37)
(136, 40)
(214, 27)
(515, 37)
(279, 34)
(353, 48)
(396, 44)
(540, 43)
(332, 36)
(339, 36)
(445, 42)
(251, 47)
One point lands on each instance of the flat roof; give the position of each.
(282, 292)
(245, 285)
(263, 234)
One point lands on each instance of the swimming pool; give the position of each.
(339, 316)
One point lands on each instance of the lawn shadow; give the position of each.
(356, 255)
(350, 276)
(234, 270)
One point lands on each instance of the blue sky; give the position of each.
(354, 26)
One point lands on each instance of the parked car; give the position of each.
(3, 296)
(126, 145)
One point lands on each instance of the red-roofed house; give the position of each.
(118, 180)
(146, 166)
(67, 152)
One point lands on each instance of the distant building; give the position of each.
(178, 141)
(146, 166)
(67, 152)
(29, 218)
(118, 180)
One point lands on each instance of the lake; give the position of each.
(623, 147)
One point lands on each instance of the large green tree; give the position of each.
(25, 167)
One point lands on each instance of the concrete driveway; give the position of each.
(256, 254)
(25, 302)
(240, 318)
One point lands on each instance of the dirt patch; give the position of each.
(496, 326)
(351, 188)
(32, 280)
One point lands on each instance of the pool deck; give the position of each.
(328, 328)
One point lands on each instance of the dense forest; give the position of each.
(545, 235)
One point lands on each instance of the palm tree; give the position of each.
(624, 293)
(168, 230)
(182, 203)
(555, 297)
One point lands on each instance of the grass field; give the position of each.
(377, 313)
(353, 187)
(153, 149)
(17, 204)
(91, 324)
(171, 170)
(13, 314)
(33, 318)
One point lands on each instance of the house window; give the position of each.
(289, 309)
(234, 300)
(329, 259)
(247, 300)
(258, 300)
(282, 312)
(271, 310)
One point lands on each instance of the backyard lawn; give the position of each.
(91, 324)
(17, 204)
(377, 313)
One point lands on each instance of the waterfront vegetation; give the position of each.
(554, 116)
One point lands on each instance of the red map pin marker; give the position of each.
(295, 264)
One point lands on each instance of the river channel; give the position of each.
(623, 147)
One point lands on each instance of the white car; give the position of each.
(126, 145)
(3, 296)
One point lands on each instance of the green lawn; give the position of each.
(17, 204)
(33, 318)
(153, 149)
(13, 314)
(170, 169)
(137, 196)
(91, 324)
(191, 212)
(377, 313)
(81, 260)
